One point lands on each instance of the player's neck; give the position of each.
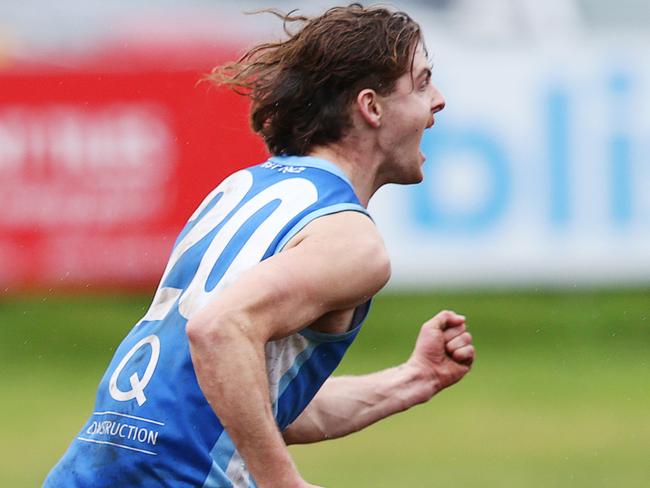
(361, 168)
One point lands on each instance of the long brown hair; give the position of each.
(302, 87)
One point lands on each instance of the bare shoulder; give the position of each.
(342, 228)
(348, 245)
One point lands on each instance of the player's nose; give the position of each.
(437, 101)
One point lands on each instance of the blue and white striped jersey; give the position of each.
(151, 424)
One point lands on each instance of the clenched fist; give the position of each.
(443, 351)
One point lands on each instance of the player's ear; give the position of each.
(369, 107)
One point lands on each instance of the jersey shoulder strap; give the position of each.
(334, 191)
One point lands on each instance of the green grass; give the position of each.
(558, 397)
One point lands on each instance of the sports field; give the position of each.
(559, 396)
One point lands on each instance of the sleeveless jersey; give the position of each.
(151, 425)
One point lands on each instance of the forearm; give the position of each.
(348, 404)
(230, 368)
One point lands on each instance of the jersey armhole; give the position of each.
(358, 318)
(302, 223)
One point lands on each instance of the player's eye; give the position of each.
(426, 81)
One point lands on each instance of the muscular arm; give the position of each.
(442, 356)
(336, 263)
(347, 404)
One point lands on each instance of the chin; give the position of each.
(418, 178)
(411, 178)
(417, 175)
(407, 172)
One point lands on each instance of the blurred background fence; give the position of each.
(533, 219)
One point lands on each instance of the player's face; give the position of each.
(407, 112)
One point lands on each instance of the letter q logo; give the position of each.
(137, 384)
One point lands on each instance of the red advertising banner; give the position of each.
(99, 170)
